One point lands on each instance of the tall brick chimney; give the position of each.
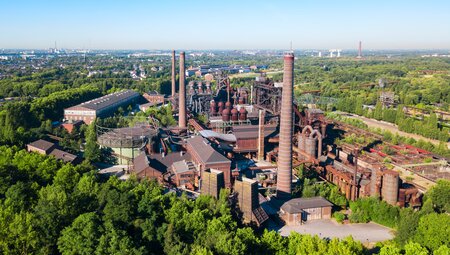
(182, 95)
(284, 176)
(173, 74)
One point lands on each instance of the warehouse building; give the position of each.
(298, 210)
(100, 107)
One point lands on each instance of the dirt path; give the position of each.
(390, 127)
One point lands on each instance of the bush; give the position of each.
(339, 216)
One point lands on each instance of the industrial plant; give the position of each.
(253, 141)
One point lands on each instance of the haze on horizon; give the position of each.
(233, 24)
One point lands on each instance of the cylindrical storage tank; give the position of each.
(242, 113)
(213, 107)
(200, 87)
(220, 104)
(208, 87)
(310, 146)
(301, 142)
(373, 183)
(228, 105)
(234, 114)
(389, 189)
(226, 115)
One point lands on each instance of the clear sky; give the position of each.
(226, 24)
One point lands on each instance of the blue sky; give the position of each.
(230, 24)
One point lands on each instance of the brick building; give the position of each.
(154, 97)
(143, 169)
(204, 156)
(48, 148)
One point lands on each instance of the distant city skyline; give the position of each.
(201, 24)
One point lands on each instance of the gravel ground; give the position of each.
(365, 232)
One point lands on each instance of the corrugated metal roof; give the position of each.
(108, 100)
(224, 137)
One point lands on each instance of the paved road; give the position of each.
(367, 233)
(390, 127)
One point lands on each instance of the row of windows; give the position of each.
(75, 112)
(79, 118)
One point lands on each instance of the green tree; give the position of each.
(82, 236)
(409, 220)
(415, 249)
(390, 250)
(92, 151)
(433, 231)
(440, 196)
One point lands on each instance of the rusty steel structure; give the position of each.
(310, 140)
(266, 95)
(199, 97)
(284, 175)
(182, 94)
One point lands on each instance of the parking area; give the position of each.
(367, 233)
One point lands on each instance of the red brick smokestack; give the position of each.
(284, 176)
(173, 74)
(182, 95)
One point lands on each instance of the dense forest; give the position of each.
(48, 208)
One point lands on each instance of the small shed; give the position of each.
(298, 210)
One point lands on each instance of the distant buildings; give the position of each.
(211, 69)
(100, 107)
